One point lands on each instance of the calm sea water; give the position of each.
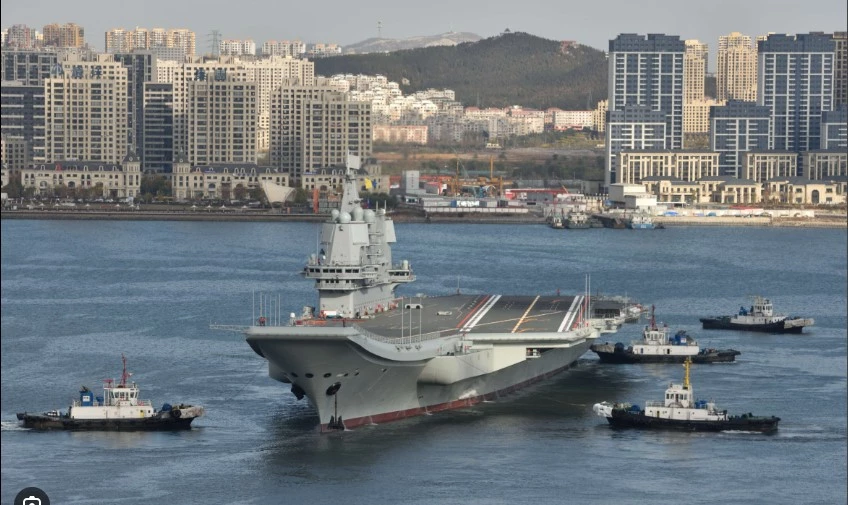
(75, 295)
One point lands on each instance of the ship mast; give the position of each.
(124, 374)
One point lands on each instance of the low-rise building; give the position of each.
(762, 166)
(800, 190)
(223, 181)
(674, 191)
(400, 134)
(332, 179)
(108, 180)
(635, 166)
(825, 164)
(725, 189)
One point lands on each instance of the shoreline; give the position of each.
(146, 215)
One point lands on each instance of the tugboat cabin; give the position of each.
(118, 401)
(679, 404)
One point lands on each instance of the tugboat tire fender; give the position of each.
(176, 413)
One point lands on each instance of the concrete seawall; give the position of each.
(828, 222)
(144, 215)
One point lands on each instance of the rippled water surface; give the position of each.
(76, 294)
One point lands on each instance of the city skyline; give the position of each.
(579, 22)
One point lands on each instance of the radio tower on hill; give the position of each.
(379, 29)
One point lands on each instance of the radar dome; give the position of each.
(357, 214)
(334, 214)
(344, 217)
(369, 216)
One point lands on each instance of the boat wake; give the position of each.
(12, 426)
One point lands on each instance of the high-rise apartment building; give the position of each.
(735, 129)
(696, 115)
(834, 128)
(294, 48)
(30, 68)
(232, 47)
(795, 80)
(316, 127)
(66, 35)
(633, 128)
(22, 113)
(119, 40)
(840, 69)
(184, 39)
(19, 37)
(645, 72)
(141, 69)
(268, 74)
(599, 116)
(15, 154)
(694, 70)
(736, 72)
(221, 119)
(157, 146)
(85, 111)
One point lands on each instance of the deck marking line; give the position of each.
(481, 313)
(472, 311)
(525, 313)
(569, 316)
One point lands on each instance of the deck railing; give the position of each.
(407, 339)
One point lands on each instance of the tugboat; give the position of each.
(641, 221)
(577, 220)
(760, 317)
(680, 411)
(657, 347)
(119, 409)
(557, 223)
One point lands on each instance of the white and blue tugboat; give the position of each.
(680, 411)
(119, 409)
(657, 346)
(760, 317)
(641, 221)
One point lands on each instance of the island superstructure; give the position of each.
(363, 355)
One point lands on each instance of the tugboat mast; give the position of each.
(124, 374)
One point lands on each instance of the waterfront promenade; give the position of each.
(829, 220)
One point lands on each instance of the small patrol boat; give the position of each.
(680, 411)
(760, 317)
(119, 409)
(656, 346)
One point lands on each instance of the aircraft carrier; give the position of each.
(362, 355)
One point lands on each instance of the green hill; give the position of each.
(509, 69)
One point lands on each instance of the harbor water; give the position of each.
(77, 294)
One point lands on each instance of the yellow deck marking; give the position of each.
(525, 313)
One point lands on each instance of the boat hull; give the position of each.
(624, 419)
(156, 423)
(372, 389)
(724, 323)
(715, 356)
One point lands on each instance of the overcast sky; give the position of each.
(345, 22)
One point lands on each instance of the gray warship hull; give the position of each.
(368, 372)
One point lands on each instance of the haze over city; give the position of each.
(345, 23)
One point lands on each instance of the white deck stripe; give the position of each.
(571, 314)
(525, 314)
(480, 313)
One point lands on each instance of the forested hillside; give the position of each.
(509, 69)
